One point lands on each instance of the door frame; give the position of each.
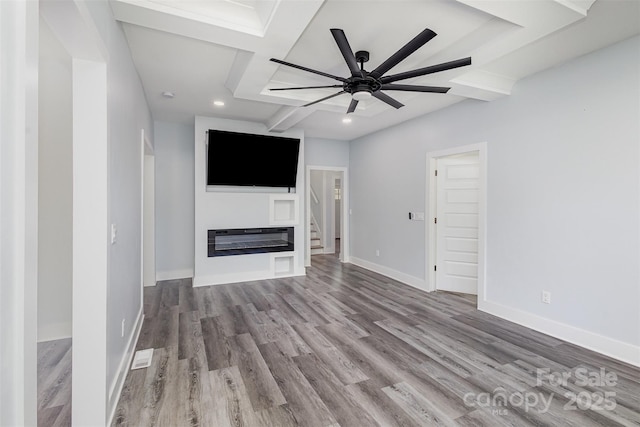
(147, 214)
(70, 22)
(430, 230)
(344, 223)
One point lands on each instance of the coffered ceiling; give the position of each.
(206, 50)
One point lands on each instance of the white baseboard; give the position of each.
(223, 279)
(619, 350)
(389, 272)
(174, 274)
(54, 331)
(118, 382)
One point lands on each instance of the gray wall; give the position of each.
(128, 114)
(174, 200)
(563, 191)
(326, 152)
(55, 133)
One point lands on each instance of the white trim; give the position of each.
(18, 212)
(619, 350)
(250, 276)
(345, 252)
(90, 241)
(125, 362)
(147, 215)
(291, 200)
(430, 244)
(293, 261)
(408, 279)
(186, 273)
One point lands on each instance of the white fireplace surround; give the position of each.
(244, 207)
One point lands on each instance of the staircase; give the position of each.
(316, 243)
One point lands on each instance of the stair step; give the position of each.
(317, 247)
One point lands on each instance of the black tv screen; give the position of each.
(243, 159)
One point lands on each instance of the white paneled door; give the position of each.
(457, 223)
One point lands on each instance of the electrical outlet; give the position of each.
(114, 233)
(122, 329)
(546, 297)
(377, 252)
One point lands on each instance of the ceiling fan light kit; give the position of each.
(362, 84)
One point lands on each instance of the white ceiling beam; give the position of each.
(287, 117)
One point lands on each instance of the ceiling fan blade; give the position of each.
(416, 43)
(389, 100)
(352, 106)
(300, 67)
(427, 70)
(325, 98)
(305, 87)
(347, 52)
(415, 88)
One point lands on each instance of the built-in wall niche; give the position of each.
(283, 209)
(283, 264)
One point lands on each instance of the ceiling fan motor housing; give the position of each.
(361, 88)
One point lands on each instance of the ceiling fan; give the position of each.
(364, 84)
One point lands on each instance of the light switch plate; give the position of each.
(114, 233)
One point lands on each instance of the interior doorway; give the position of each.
(326, 212)
(456, 185)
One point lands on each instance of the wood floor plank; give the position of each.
(64, 417)
(344, 407)
(48, 416)
(186, 297)
(190, 375)
(373, 364)
(279, 416)
(50, 355)
(165, 332)
(128, 409)
(204, 302)
(276, 302)
(420, 409)
(300, 395)
(483, 418)
(433, 350)
(340, 365)
(376, 402)
(262, 388)
(160, 405)
(55, 389)
(217, 347)
(189, 334)
(285, 335)
(231, 404)
(308, 313)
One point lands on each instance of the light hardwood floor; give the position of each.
(54, 383)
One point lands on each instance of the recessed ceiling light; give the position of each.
(218, 103)
(168, 94)
(346, 120)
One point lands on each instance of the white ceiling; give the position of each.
(206, 50)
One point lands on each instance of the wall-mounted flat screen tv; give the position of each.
(243, 159)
